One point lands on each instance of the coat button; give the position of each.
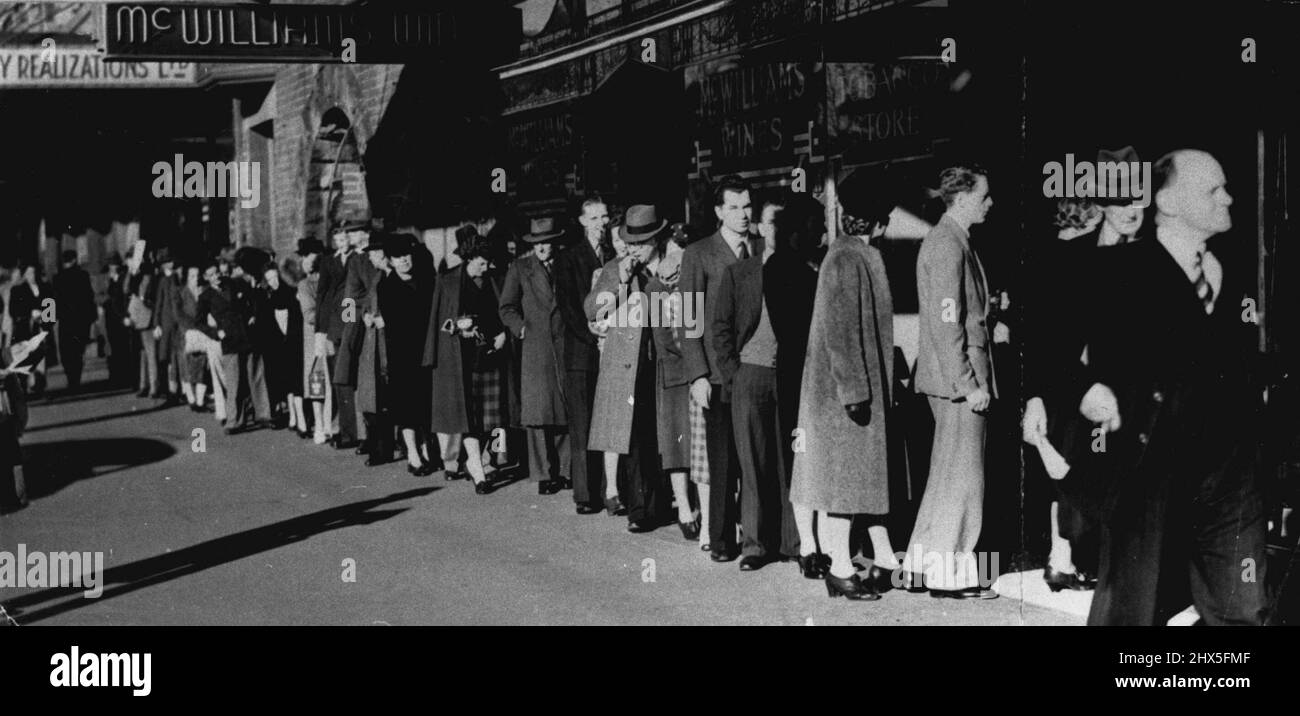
(627, 366)
(1158, 396)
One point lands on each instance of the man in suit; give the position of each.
(528, 307)
(166, 326)
(954, 371)
(575, 267)
(746, 348)
(331, 316)
(703, 263)
(75, 312)
(226, 301)
(1171, 361)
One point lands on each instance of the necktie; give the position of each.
(1204, 291)
(744, 251)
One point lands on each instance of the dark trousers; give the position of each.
(345, 403)
(548, 452)
(724, 472)
(766, 515)
(1162, 544)
(645, 496)
(72, 351)
(585, 467)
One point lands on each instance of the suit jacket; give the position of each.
(76, 302)
(229, 306)
(954, 356)
(358, 286)
(329, 296)
(166, 305)
(529, 307)
(737, 307)
(702, 265)
(574, 268)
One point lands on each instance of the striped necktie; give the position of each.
(1204, 291)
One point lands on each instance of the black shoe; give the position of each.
(341, 444)
(815, 565)
(615, 507)
(548, 487)
(561, 482)
(639, 526)
(912, 582)
(1073, 581)
(483, 488)
(752, 563)
(880, 579)
(454, 475)
(376, 461)
(419, 471)
(142, 393)
(721, 555)
(851, 588)
(363, 449)
(968, 593)
(690, 530)
(583, 509)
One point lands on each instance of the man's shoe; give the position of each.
(880, 579)
(968, 593)
(588, 509)
(1073, 581)
(721, 555)
(548, 487)
(483, 488)
(363, 449)
(614, 507)
(752, 563)
(639, 526)
(344, 444)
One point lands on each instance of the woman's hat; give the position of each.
(400, 245)
(642, 224)
(378, 242)
(310, 246)
(542, 229)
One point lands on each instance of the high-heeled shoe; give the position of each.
(881, 579)
(690, 530)
(1073, 581)
(615, 507)
(815, 565)
(454, 475)
(421, 470)
(483, 488)
(851, 588)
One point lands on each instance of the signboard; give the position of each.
(85, 67)
(886, 110)
(482, 31)
(545, 148)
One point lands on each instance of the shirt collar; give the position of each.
(965, 235)
(733, 244)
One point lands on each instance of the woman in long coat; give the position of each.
(624, 416)
(465, 346)
(673, 400)
(279, 325)
(841, 461)
(405, 297)
(309, 251)
(192, 372)
(371, 363)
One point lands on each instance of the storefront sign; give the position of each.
(311, 33)
(885, 109)
(48, 68)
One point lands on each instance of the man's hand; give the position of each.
(1100, 406)
(499, 341)
(523, 328)
(367, 319)
(700, 392)
(221, 335)
(378, 321)
(625, 269)
(859, 413)
(1034, 426)
(126, 322)
(978, 400)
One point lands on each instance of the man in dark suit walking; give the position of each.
(1171, 358)
(702, 265)
(954, 370)
(746, 348)
(575, 267)
(74, 311)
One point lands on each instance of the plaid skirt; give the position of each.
(699, 451)
(483, 400)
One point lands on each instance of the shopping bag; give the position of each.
(318, 380)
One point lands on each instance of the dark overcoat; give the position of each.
(358, 286)
(840, 466)
(529, 306)
(442, 353)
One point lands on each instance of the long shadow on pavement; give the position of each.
(127, 578)
(50, 467)
(98, 418)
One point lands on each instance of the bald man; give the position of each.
(1174, 404)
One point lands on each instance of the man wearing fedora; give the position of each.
(117, 325)
(703, 264)
(331, 313)
(76, 312)
(530, 310)
(590, 249)
(166, 325)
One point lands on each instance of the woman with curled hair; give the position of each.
(465, 345)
